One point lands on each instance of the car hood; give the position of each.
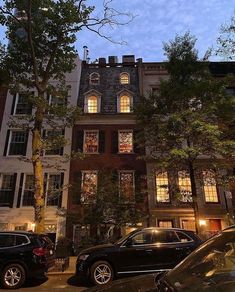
(97, 247)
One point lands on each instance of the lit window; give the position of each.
(91, 142)
(53, 189)
(185, 186)
(126, 181)
(165, 223)
(92, 104)
(162, 189)
(125, 141)
(6, 189)
(94, 78)
(17, 143)
(89, 186)
(125, 104)
(210, 189)
(28, 191)
(124, 78)
(189, 225)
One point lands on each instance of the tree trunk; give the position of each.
(194, 195)
(39, 196)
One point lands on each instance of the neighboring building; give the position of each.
(16, 174)
(214, 203)
(106, 131)
(3, 97)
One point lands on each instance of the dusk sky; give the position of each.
(157, 21)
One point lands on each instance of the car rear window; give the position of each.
(165, 236)
(44, 240)
(183, 237)
(7, 240)
(21, 239)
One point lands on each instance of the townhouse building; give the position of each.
(105, 133)
(16, 172)
(215, 204)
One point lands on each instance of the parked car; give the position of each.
(144, 250)
(23, 255)
(210, 268)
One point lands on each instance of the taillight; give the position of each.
(40, 251)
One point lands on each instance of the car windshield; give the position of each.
(211, 266)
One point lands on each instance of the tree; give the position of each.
(226, 40)
(182, 124)
(41, 49)
(113, 204)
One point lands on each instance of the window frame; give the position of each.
(215, 186)
(156, 187)
(10, 139)
(97, 78)
(121, 76)
(60, 132)
(186, 175)
(84, 141)
(119, 96)
(83, 201)
(86, 107)
(16, 102)
(126, 131)
(126, 171)
(23, 190)
(47, 189)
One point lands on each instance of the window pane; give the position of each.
(162, 188)
(125, 104)
(185, 186)
(28, 195)
(125, 141)
(7, 240)
(21, 240)
(23, 106)
(210, 189)
(53, 141)
(165, 223)
(127, 185)
(18, 143)
(188, 225)
(92, 104)
(124, 78)
(183, 237)
(89, 187)
(142, 238)
(165, 236)
(91, 142)
(7, 189)
(54, 190)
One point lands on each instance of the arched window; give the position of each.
(125, 104)
(124, 78)
(92, 104)
(94, 78)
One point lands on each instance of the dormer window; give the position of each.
(124, 78)
(125, 104)
(92, 102)
(94, 78)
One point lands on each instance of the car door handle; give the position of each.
(149, 250)
(179, 248)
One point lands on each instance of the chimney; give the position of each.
(85, 53)
(102, 62)
(128, 59)
(113, 60)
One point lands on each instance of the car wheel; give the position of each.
(101, 273)
(13, 276)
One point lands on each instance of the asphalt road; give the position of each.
(54, 283)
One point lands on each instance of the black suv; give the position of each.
(144, 250)
(23, 255)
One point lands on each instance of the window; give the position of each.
(126, 182)
(210, 190)
(125, 141)
(94, 78)
(91, 141)
(28, 191)
(57, 99)
(22, 104)
(142, 238)
(92, 104)
(89, 186)
(189, 225)
(125, 104)
(7, 183)
(53, 139)
(162, 189)
(21, 240)
(53, 189)
(124, 78)
(165, 236)
(183, 237)
(7, 240)
(185, 186)
(17, 143)
(165, 223)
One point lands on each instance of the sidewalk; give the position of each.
(71, 269)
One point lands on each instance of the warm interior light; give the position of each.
(202, 222)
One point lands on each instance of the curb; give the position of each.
(60, 273)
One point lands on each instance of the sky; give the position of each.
(155, 22)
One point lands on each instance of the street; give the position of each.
(53, 283)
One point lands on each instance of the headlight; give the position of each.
(83, 257)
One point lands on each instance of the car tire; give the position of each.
(101, 273)
(13, 276)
